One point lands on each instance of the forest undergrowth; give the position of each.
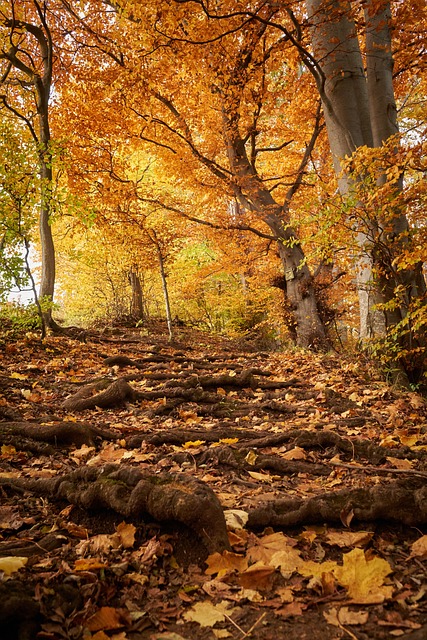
(203, 488)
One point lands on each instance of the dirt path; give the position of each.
(202, 489)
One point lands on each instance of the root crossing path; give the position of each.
(205, 488)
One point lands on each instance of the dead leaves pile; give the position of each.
(326, 580)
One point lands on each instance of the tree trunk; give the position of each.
(39, 76)
(250, 191)
(360, 110)
(137, 301)
(165, 291)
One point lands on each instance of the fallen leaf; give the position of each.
(297, 453)
(290, 610)
(347, 616)
(105, 618)
(399, 463)
(364, 579)
(419, 548)
(258, 577)
(264, 548)
(349, 538)
(192, 444)
(262, 477)
(236, 518)
(222, 563)
(11, 564)
(89, 564)
(127, 534)
(208, 614)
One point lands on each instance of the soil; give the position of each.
(203, 488)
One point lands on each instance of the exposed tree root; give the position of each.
(92, 396)
(27, 549)
(131, 493)
(237, 459)
(402, 501)
(57, 433)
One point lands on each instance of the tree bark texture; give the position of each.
(360, 109)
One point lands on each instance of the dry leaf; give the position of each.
(259, 577)
(89, 564)
(419, 548)
(222, 563)
(399, 463)
(193, 444)
(349, 538)
(236, 518)
(297, 453)
(104, 618)
(208, 614)
(346, 616)
(265, 547)
(127, 534)
(11, 564)
(364, 579)
(262, 477)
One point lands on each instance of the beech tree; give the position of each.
(227, 145)
(26, 81)
(360, 111)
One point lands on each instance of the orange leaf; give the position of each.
(105, 618)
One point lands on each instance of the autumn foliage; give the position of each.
(221, 162)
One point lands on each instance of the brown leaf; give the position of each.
(105, 618)
(127, 534)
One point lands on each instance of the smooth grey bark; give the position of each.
(360, 109)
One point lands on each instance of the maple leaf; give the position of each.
(222, 563)
(363, 578)
(208, 614)
(257, 577)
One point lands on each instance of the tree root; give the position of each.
(87, 398)
(57, 433)
(237, 459)
(402, 501)
(132, 493)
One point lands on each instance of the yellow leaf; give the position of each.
(18, 376)
(192, 444)
(11, 564)
(363, 578)
(220, 391)
(208, 614)
(7, 450)
(251, 457)
(263, 477)
(229, 440)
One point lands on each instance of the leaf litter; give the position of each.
(94, 575)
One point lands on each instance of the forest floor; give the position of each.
(115, 451)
